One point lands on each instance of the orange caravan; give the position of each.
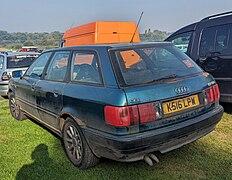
(101, 33)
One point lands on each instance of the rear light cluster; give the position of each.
(132, 115)
(212, 94)
(6, 76)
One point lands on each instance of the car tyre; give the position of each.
(76, 147)
(15, 109)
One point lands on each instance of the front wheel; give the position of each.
(15, 110)
(76, 147)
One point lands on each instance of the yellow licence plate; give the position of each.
(180, 104)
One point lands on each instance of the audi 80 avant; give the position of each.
(118, 101)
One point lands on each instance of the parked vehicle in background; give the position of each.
(29, 49)
(7, 52)
(12, 62)
(209, 43)
(118, 101)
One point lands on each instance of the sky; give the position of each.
(60, 15)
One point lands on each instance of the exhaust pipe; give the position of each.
(154, 157)
(149, 157)
(148, 160)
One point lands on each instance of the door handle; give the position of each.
(55, 93)
(33, 87)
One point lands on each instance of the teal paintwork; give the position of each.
(166, 90)
(50, 102)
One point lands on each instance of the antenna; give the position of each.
(131, 41)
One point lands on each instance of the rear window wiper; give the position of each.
(171, 76)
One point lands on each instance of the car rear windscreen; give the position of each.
(20, 61)
(138, 66)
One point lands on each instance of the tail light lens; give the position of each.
(5, 76)
(131, 115)
(212, 94)
(121, 116)
(216, 92)
(147, 112)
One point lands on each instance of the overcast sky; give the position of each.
(59, 15)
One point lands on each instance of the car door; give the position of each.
(25, 88)
(215, 53)
(49, 91)
(84, 93)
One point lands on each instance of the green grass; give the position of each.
(27, 151)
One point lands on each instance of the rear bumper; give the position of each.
(134, 147)
(3, 89)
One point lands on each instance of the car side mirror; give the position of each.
(17, 74)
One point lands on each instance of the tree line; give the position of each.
(16, 40)
(155, 35)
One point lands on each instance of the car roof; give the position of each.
(184, 29)
(217, 19)
(114, 46)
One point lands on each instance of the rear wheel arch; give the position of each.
(64, 116)
(86, 157)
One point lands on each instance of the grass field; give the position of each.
(27, 151)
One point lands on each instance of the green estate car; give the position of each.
(118, 101)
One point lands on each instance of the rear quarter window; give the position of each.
(182, 41)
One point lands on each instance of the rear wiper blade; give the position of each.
(172, 76)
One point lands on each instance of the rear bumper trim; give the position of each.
(134, 147)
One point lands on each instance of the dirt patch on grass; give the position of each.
(3, 138)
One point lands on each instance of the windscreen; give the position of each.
(1, 61)
(139, 66)
(20, 61)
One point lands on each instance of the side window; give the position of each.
(182, 41)
(221, 41)
(85, 68)
(58, 66)
(36, 69)
(215, 40)
(207, 41)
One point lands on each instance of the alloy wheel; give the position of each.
(15, 109)
(74, 143)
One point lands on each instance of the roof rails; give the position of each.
(217, 15)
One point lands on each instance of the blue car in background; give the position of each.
(118, 101)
